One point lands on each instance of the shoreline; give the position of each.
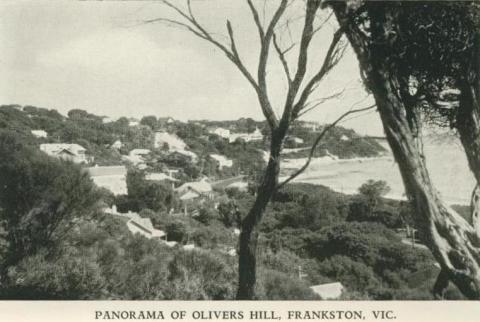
(316, 176)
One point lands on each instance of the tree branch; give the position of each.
(319, 102)
(317, 141)
(256, 18)
(327, 65)
(283, 60)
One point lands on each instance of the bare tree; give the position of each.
(389, 58)
(297, 101)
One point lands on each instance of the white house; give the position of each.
(137, 156)
(39, 133)
(159, 177)
(344, 138)
(137, 224)
(247, 137)
(222, 161)
(117, 145)
(112, 178)
(174, 144)
(65, 151)
(329, 291)
(107, 119)
(220, 131)
(201, 187)
(144, 227)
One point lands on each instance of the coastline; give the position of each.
(347, 175)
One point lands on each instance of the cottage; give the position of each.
(159, 177)
(221, 132)
(137, 224)
(65, 151)
(201, 187)
(117, 145)
(247, 137)
(172, 143)
(137, 156)
(163, 122)
(222, 161)
(329, 291)
(39, 133)
(112, 178)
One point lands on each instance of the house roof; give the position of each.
(139, 151)
(201, 186)
(159, 177)
(190, 195)
(107, 171)
(329, 290)
(56, 148)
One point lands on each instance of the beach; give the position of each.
(446, 162)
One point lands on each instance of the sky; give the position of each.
(99, 56)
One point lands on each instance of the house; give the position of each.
(137, 156)
(221, 132)
(329, 291)
(222, 161)
(161, 177)
(136, 224)
(144, 227)
(133, 122)
(312, 126)
(39, 133)
(190, 191)
(117, 145)
(344, 138)
(107, 119)
(201, 187)
(240, 185)
(112, 178)
(165, 121)
(172, 143)
(65, 151)
(247, 137)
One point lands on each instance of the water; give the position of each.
(446, 162)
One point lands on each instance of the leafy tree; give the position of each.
(419, 51)
(150, 121)
(374, 190)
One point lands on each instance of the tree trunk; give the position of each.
(453, 241)
(249, 232)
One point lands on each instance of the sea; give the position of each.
(446, 162)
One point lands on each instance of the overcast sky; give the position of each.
(97, 56)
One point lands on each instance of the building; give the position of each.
(201, 187)
(163, 122)
(161, 177)
(137, 156)
(106, 120)
(112, 178)
(117, 145)
(222, 161)
(220, 131)
(172, 143)
(71, 152)
(329, 291)
(137, 224)
(247, 137)
(133, 122)
(39, 133)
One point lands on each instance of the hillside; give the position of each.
(194, 148)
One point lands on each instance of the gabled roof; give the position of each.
(328, 291)
(201, 186)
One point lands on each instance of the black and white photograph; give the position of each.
(184, 150)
